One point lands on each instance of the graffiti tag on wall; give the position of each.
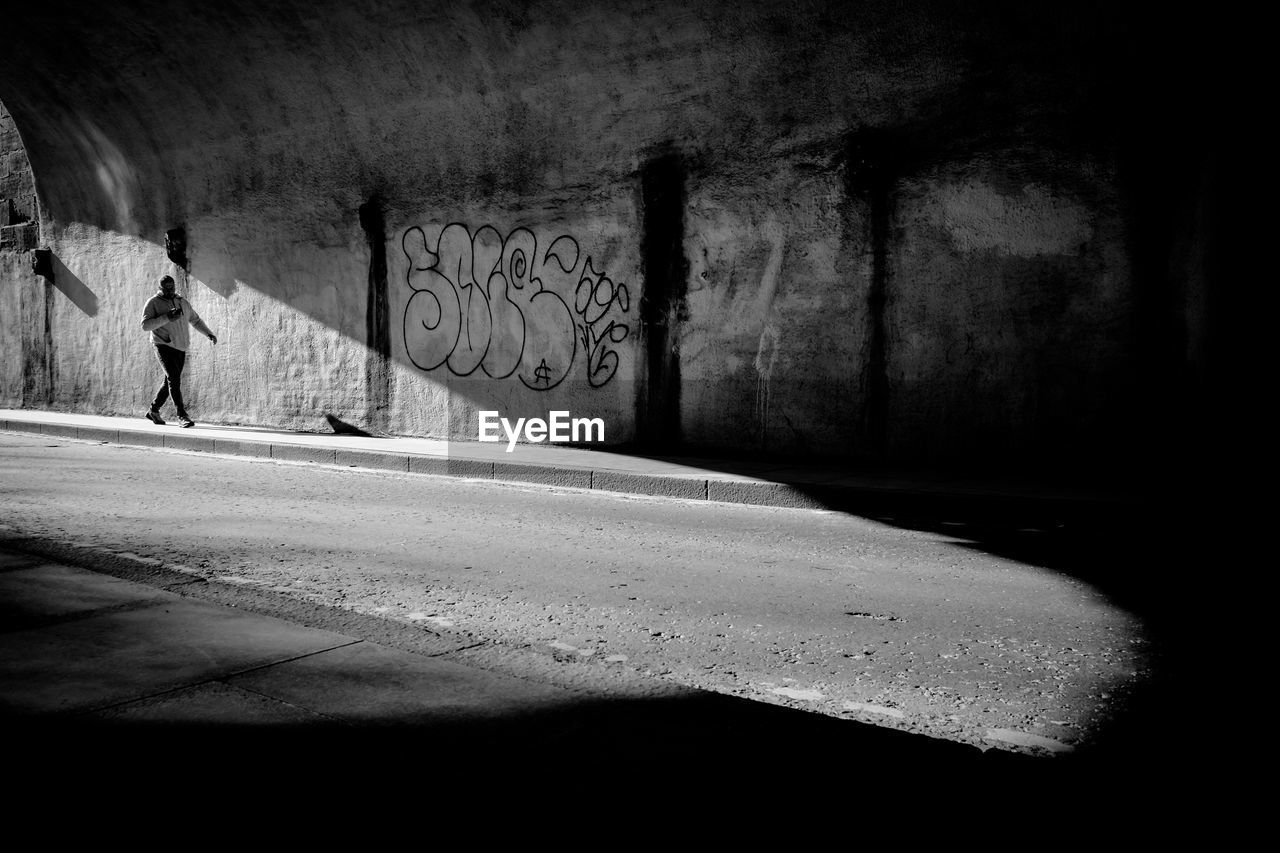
(486, 303)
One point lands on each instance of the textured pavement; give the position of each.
(97, 664)
(97, 667)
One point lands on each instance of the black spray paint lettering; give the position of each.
(561, 428)
(482, 302)
(593, 299)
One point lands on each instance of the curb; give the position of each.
(871, 500)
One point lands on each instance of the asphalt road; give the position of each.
(1019, 639)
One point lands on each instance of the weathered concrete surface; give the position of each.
(958, 631)
(15, 272)
(1008, 337)
(364, 709)
(919, 230)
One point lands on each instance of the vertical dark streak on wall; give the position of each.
(1164, 113)
(49, 377)
(1151, 201)
(870, 179)
(1174, 241)
(377, 318)
(662, 306)
(37, 343)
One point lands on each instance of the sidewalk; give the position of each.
(813, 486)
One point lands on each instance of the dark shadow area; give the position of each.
(1136, 549)
(341, 427)
(636, 732)
(1150, 549)
(1155, 557)
(989, 499)
(696, 736)
(73, 288)
(731, 745)
(715, 747)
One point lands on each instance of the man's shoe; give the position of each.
(187, 422)
(155, 418)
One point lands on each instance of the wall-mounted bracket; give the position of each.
(175, 246)
(42, 263)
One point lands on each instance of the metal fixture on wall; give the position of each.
(175, 246)
(42, 263)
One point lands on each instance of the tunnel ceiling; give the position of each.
(137, 114)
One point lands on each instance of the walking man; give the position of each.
(166, 316)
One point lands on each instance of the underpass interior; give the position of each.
(919, 235)
(938, 237)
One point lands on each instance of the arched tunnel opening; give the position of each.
(26, 270)
(18, 208)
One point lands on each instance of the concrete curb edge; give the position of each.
(874, 500)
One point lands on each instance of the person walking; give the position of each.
(166, 316)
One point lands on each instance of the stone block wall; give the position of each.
(18, 213)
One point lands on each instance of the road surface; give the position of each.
(999, 638)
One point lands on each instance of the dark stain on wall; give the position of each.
(377, 317)
(870, 176)
(37, 344)
(662, 306)
(1173, 234)
(175, 247)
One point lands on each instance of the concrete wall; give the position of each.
(879, 231)
(1012, 336)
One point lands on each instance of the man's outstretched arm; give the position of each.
(202, 328)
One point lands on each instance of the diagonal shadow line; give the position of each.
(73, 288)
(694, 724)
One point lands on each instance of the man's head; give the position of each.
(167, 285)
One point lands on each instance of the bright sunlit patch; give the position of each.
(432, 618)
(874, 709)
(793, 693)
(1027, 739)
